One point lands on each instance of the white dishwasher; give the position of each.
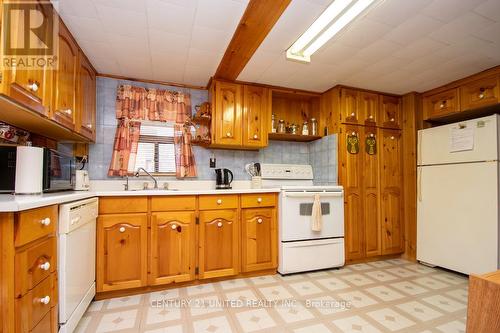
(76, 260)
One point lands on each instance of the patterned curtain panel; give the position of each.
(137, 103)
(125, 148)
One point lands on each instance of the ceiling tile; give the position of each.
(491, 33)
(90, 28)
(205, 59)
(468, 23)
(257, 65)
(334, 53)
(448, 10)
(419, 48)
(414, 28)
(209, 39)
(131, 5)
(378, 50)
(395, 12)
(75, 7)
(170, 17)
(363, 33)
(219, 14)
(162, 42)
(122, 22)
(489, 9)
(196, 75)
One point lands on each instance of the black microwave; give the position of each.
(58, 170)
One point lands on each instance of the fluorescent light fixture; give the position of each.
(336, 17)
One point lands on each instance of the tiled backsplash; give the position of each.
(321, 154)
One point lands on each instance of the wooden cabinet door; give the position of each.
(31, 87)
(441, 104)
(371, 190)
(86, 98)
(351, 178)
(66, 80)
(121, 251)
(218, 243)
(173, 247)
(391, 193)
(228, 105)
(256, 107)
(349, 106)
(480, 93)
(390, 111)
(259, 244)
(368, 108)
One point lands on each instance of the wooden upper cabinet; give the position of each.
(349, 106)
(351, 159)
(480, 93)
(390, 111)
(371, 190)
(218, 243)
(227, 114)
(173, 247)
(368, 108)
(256, 102)
(32, 87)
(86, 98)
(66, 79)
(121, 251)
(441, 104)
(259, 239)
(391, 192)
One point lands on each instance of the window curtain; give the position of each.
(125, 148)
(135, 104)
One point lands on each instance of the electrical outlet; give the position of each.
(212, 162)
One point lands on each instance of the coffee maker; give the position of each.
(223, 179)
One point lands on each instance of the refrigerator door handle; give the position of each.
(419, 148)
(419, 184)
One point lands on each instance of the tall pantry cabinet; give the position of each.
(370, 170)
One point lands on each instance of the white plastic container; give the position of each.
(29, 170)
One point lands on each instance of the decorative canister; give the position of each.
(273, 123)
(314, 126)
(281, 126)
(305, 128)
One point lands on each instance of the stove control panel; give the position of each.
(286, 171)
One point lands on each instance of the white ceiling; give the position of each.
(179, 41)
(399, 46)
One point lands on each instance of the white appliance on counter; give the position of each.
(300, 248)
(76, 260)
(458, 193)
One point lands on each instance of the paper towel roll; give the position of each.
(29, 170)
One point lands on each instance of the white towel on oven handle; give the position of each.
(316, 215)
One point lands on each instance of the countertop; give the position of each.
(15, 203)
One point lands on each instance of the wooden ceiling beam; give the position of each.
(258, 19)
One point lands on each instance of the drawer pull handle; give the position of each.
(219, 224)
(392, 137)
(45, 221)
(259, 200)
(353, 114)
(68, 112)
(481, 96)
(89, 126)
(122, 229)
(174, 226)
(33, 86)
(392, 119)
(259, 220)
(228, 134)
(45, 300)
(371, 117)
(219, 201)
(45, 266)
(255, 136)
(443, 104)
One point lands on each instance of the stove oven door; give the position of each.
(295, 215)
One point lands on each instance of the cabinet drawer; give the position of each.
(480, 93)
(258, 200)
(165, 204)
(31, 308)
(34, 224)
(35, 264)
(218, 201)
(48, 323)
(441, 104)
(120, 205)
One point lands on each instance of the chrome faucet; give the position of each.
(126, 184)
(137, 174)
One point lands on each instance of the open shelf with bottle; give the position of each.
(295, 108)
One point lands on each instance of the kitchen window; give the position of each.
(155, 151)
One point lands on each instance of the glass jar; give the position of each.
(293, 129)
(273, 123)
(305, 128)
(281, 126)
(314, 126)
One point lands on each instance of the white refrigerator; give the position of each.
(457, 196)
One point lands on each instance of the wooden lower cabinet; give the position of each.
(218, 243)
(121, 251)
(173, 247)
(258, 239)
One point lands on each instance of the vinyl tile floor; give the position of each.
(382, 296)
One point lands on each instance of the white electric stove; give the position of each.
(300, 248)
